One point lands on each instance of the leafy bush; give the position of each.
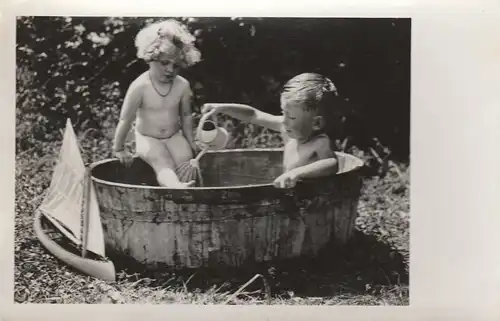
(80, 67)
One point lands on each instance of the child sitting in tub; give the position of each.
(160, 102)
(308, 105)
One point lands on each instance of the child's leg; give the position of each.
(157, 155)
(179, 148)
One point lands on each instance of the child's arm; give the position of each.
(319, 168)
(322, 167)
(186, 116)
(131, 103)
(326, 165)
(246, 113)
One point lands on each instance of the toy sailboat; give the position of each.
(67, 222)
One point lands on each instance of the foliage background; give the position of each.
(80, 67)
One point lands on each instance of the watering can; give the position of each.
(213, 137)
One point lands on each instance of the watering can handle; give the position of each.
(203, 119)
(207, 115)
(198, 133)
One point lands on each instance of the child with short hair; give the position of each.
(308, 105)
(160, 102)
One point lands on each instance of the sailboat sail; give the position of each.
(95, 235)
(64, 199)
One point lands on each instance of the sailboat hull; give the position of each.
(104, 270)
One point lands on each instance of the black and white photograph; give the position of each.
(212, 160)
(258, 160)
(199, 160)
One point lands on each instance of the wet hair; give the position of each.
(168, 37)
(316, 92)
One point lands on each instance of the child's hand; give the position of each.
(210, 108)
(287, 180)
(196, 149)
(124, 157)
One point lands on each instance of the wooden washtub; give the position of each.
(237, 217)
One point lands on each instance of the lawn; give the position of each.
(371, 270)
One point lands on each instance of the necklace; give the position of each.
(156, 89)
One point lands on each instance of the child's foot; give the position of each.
(189, 184)
(181, 185)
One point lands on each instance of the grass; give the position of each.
(371, 270)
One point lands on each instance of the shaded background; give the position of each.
(80, 67)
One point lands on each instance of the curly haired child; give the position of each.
(159, 100)
(308, 102)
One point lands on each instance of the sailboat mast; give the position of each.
(86, 211)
